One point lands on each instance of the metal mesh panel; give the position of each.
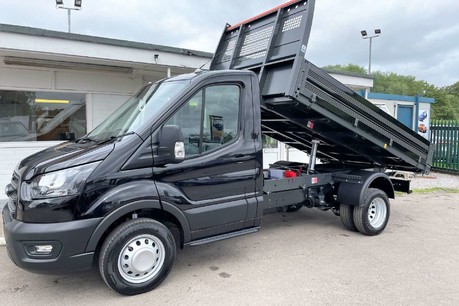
(229, 49)
(255, 44)
(292, 23)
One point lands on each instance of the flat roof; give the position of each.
(354, 74)
(9, 28)
(383, 96)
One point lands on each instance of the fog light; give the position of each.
(43, 249)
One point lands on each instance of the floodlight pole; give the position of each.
(69, 10)
(70, 30)
(369, 52)
(365, 36)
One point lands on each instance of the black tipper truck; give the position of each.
(180, 164)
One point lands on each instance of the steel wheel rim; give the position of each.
(377, 212)
(141, 259)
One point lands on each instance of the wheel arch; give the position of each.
(383, 183)
(352, 193)
(145, 208)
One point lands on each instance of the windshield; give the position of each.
(137, 111)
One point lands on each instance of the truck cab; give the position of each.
(185, 152)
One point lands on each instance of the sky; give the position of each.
(419, 37)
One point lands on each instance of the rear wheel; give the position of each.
(346, 213)
(137, 256)
(372, 215)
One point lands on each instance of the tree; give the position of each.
(348, 68)
(443, 108)
(446, 104)
(453, 89)
(392, 83)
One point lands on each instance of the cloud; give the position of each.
(419, 37)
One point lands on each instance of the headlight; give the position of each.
(60, 183)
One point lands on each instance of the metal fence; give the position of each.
(444, 134)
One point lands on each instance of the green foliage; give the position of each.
(453, 89)
(348, 68)
(392, 83)
(446, 104)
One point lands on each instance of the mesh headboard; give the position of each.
(277, 34)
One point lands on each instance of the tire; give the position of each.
(137, 256)
(346, 213)
(372, 215)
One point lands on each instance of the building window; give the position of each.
(41, 116)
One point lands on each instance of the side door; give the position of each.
(211, 185)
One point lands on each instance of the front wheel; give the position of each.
(137, 256)
(372, 215)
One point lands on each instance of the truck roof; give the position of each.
(206, 73)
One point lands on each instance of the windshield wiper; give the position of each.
(86, 139)
(121, 135)
(116, 137)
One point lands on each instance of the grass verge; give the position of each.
(430, 190)
(436, 190)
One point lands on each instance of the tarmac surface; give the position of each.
(302, 258)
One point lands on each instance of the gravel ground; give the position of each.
(433, 180)
(301, 258)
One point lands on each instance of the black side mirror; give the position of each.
(170, 148)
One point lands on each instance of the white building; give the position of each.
(55, 85)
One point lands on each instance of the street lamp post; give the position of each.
(76, 7)
(365, 36)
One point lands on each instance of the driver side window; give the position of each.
(209, 120)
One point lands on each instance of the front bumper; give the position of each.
(69, 240)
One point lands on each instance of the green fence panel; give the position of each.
(444, 134)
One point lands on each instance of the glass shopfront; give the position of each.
(41, 116)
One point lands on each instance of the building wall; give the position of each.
(39, 66)
(354, 81)
(104, 93)
(100, 106)
(421, 109)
